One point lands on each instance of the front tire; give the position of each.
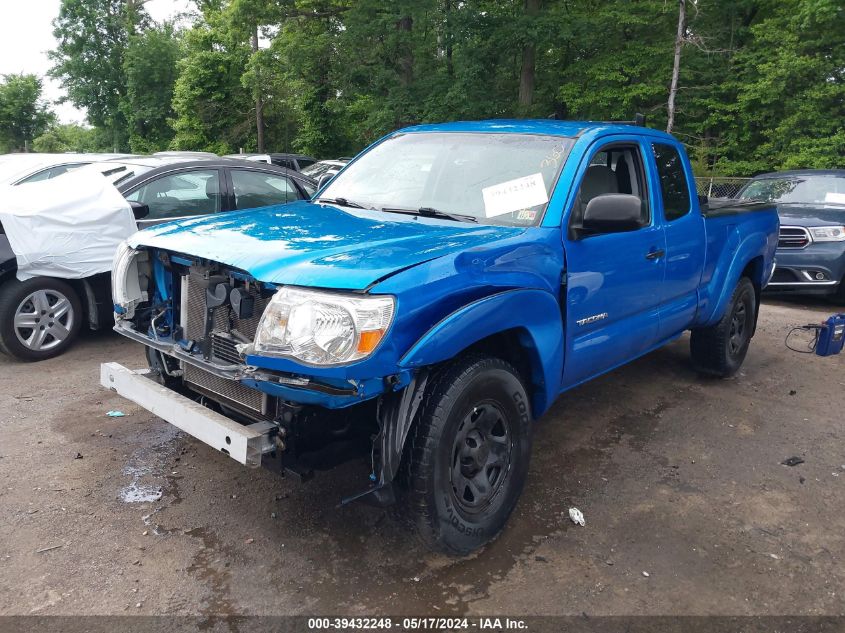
(39, 318)
(720, 349)
(469, 454)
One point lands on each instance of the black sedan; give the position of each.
(178, 187)
(159, 189)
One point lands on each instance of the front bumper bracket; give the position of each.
(245, 444)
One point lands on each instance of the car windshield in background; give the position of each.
(827, 189)
(482, 177)
(318, 169)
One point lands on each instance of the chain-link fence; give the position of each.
(718, 187)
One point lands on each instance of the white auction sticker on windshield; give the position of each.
(514, 195)
(837, 198)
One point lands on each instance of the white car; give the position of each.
(19, 169)
(297, 162)
(325, 168)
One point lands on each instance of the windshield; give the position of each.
(494, 178)
(826, 189)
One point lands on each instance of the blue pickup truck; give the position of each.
(434, 299)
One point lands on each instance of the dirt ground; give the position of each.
(688, 507)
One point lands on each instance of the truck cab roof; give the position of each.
(550, 127)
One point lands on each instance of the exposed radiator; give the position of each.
(223, 350)
(233, 393)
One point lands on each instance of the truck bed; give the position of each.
(717, 207)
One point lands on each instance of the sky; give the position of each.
(26, 34)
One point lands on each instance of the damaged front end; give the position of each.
(280, 361)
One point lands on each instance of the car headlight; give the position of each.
(827, 233)
(323, 328)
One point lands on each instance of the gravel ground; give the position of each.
(688, 507)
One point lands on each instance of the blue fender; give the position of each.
(533, 315)
(726, 277)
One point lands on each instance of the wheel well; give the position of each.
(515, 346)
(95, 296)
(80, 286)
(754, 271)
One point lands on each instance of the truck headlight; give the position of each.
(126, 288)
(827, 233)
(323, 328)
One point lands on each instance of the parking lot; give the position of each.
(688, 507)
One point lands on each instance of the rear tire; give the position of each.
(469, 454)
(39, 318)
(720, 349)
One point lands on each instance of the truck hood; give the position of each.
(318, 245)
(811, 214)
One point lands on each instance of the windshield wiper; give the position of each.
(428, 212)
(342, 202)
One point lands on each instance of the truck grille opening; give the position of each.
(226, 332)
(229, 392)
(793, 237)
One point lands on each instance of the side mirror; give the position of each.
(324, 180)
(703, 201)
(613, 213)
(139, 209)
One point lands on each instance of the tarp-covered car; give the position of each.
(58, 237)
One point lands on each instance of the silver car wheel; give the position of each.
(44, 319)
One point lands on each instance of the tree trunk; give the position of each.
(259, 101)
(526, 75)
(406, 53)
(133, 15)
(676, 67)
(450, 70)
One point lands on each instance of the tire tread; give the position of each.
(422, 446)
(708, 345)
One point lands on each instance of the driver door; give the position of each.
(613, 278)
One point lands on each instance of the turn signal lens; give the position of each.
(368, 341)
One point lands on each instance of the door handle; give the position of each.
(655, 254)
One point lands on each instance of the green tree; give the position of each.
(72, 138)
(23, 113)
(759, 83)
(789, 110)
(93, 37)
(150, 68)
(618, 59)
(306, 52)
(212, 110)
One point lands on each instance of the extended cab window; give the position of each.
(182, 194)
(259, 189)
(673, 181)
